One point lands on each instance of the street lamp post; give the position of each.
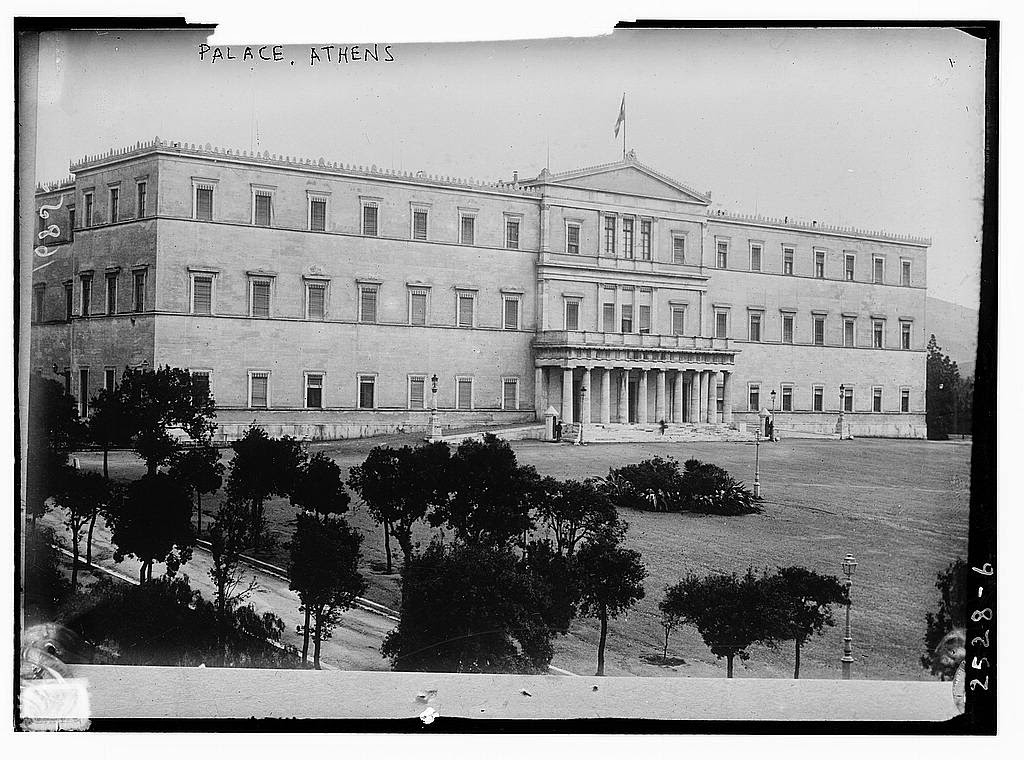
(435, 433)
(762, 416)
(849, 565)
(583, 402)
(842, 402)
(772, 418)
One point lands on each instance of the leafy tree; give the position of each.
(728, 611)
(399, 486)
(670, 620)
(82, 496)
(942, 391)
(109, 424)
(155, 401)
(53, 431)
(804, 602)
(319, 487)
(556, 588)
(324, 571)
(490, 494)
(470, 608)
(659, 485)
(611, 580)
(201, 470)
(574, 511)
(951, 584)
(228, 537)
(154, 524)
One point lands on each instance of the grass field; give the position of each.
(900, 507)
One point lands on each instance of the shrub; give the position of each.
(658, 485)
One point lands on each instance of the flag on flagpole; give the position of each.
(622, 115)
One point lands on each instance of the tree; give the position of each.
(804, 602)
(201, 470)
(83, 494)
(154, 524)
(489, 493)
(470, 608)
(670, 620)
(319, 488)
(324, 571)
(611, 580)
(942, 390)
(399, 486)
(54, 430)
(574, 511)
(728, 611)
(228, 536)
(154, 402)
(951, 615)
(108, 425)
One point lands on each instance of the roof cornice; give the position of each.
(795, 225)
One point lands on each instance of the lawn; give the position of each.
(900, 507)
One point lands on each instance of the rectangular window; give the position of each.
(201, 381)
(83, 392)
(367, 391)
(368, 303)
(261, 209)
(466, 306)
(905, 336)
(419, 224)
(417, 307)
(467, 230)
(678, 249)
(317, 214)
(259, 295)
(878, 272)
(905, 273)
(259, 387)
(848, 398)
(878, 333)
(754, 398)
(645, 239)
(202, 294)
(627, 318)
(609, 235)
(787, 398)
(904, 399)
(86, 295)
(109, 375)
(71, 222)
(316, 300)
(849, 332)
(755, 257)
(627, 238)
(722, 254)
(819, 331)
(645, 318)
(754, 333)
(572, 315)
(111, 292)
(818, 398)
(314, 390)
(876, 399)
(512, 234)
(464, 393)
(69, 300)
(510, 393)
(417, 392)
(38, 299)
(608, 317)
(87, 220)
(370, 221)
(510, 311)
(115, 199)
(140, 199)
(678, 320)
(203, 204)
(787, 260)
(850, 261)
(819, 264)
(139, 290)
(787, 328)
(572, 238)
(722, 324)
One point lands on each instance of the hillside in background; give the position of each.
(956, 329)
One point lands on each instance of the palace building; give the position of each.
(320, 299)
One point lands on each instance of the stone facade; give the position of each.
(320, 299)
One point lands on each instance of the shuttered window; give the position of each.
(370, 219)
(202, 295)
(112, 293)
(201, 382)
(317, 214)
(204, 202)
(417, 392)
(645, 239)
(468, 227)
(572, 315)
(905, 336)
(367, 385)
(787, 398)
(678, 320)
(755, 258)
(848, 332)
(316, 300)
(878, 332)
(419, 225)
(678, 250)
(819, 264)
(510, 393)
(848, 399)
(511, 313)
(258, 383)
(572, 238)
(314, 391)
(368, 304)
(722, 249)
(787, 260)
(115, 202)
(608, 317)
(417, 307)
(86, 295)
(466, 304)
(819, 331)
(627, 238)
(876, 399)
(512, 233)
(879, 270)
(464, 393)
(905, 273)
(261, 210)
(140, 200)
(721, 324)
(851, 262)
(627, 318)
(755, 327)
(69, 300)
(609, 235)
(787, 328)
(87, 222)
(905, 400)
(818, 399)
(139, 290)
(260, 298)
(645, 318)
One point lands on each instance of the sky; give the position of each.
(879, 129)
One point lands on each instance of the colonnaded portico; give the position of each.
(633, 378)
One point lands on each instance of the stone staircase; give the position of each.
(650, 432)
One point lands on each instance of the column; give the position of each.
(680, 385)
(540, 393)
(606, 395)
(641, 399)
(727, 398)
(659, 396)
(712, 396)
(623, 414)
(567, 418)
(702, 401)
(585, 398)
(694, 414)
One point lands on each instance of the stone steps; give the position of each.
(619, 433)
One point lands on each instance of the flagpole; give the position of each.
(624, 120)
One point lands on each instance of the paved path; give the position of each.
(354, 645)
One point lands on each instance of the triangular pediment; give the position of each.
(628, 177)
